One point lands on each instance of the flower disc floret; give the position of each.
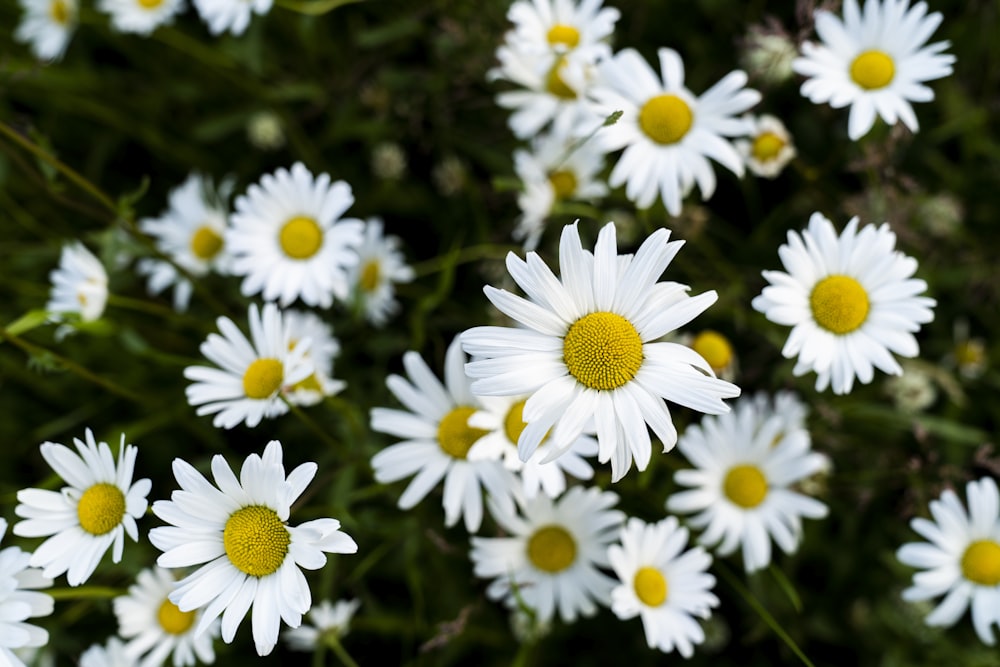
(650, 586)
(767, 146)
(714, 348)
(555, 84)
(262, 378)
(563, 35)
(551, 549)
(206, 243)
(563, 183)
(981, 563)
(101, 508)
(839, 304)
(666, 118)
(370, 274)
(745, 485)
(602, 351)
(873, 69)
(150, 4)
(455, 435)
(256, 540)
(173, 620)
(59, 11)
(301, 237)
(513, 423)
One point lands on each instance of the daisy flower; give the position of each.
(87, 517)
(768, 148)
(328, 620)
(112, 654)
(321, 351)
(47, 26)
(439, 441)
(851, 301)
(561, 25)
(662, 583)
(288, 240)
(18, 603)
(231, 15)
(248, 554)
(79, 284)
(875, 61)
(247, 385)
(745, 463)
(960, 559)
(667, 132)
(140, 16)
(381, 264)
(588, 349)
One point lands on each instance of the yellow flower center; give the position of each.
(455, 436)
(150, 4)
(873, 70)
(369, 278)
(205, 243)
(173, 620)
(745, 485)
(970, 353)
(665, 119)
(714, 348)
(554, 83)
(551, 549)
(301, 237)
(981, 563)
(766, 146)
(602, 350)
(256, 540)
(839, 304)
(262, 378)
(650, 586)
(311, 383)
(563, 183)
(59, 11)
(101, 508)
(564, 35)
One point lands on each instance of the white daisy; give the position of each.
(322, 349)
(561, 25)
(381, 264)
(875, 61)
(589, 348)
(745, 463)
(768, 148)
(288, 240)
(247, 552)
(112, 654)
(18, 603)
(551, 558)
(191, 233)
(79, 284)
(157, 628)
(231, 15)
(328, 620)
(438, 441)
(87, 517)
(851, 301)
(47, 26)
(667, 132)
(247, 385)
(961, 558)
(140, 16)
(663, 586)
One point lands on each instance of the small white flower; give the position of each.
(326, 619)
(140, 16)
(561, 25)
(381, 264)
(47, 26)
(18, 603)
(112, 654)
(768, 148)
(231, 15)
(79, 284)
(323, 348)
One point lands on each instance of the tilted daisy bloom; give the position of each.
(79, 284)
(47, 26)
(289, 241)
(438, 441)
(552, 555)
(247, 385)
(111, 654)
(230, 15)
(86, 518)
(875, 61)
(745, 463)
(322, 349)
(588, 350)
(768, 148)
(380, 266)
(327, 619)
(667, 132)
(248, 554)
(18, 603)
(561, 25)
(851, 300)
(140, 16)
(662, 584)
(960, 559)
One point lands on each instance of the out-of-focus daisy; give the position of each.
(875, 61)
(551, 558)
(79, 284)
(960, 559)
(767, 54)
(588, 350)
(87, 517)
(745, 463)
(140, 16)
(786, 406)
(667, 132)
(968, 355)
(851, 300)
(191, 232)
(289, 241)
(230, 15)
(380, 265)
(246, 387)
(18, 603)
(111, 654)
(327, 620)
(768, 148)
(248, 554)
(322, 349)
(561, 25)
(47, 26)
(438, 441)
(662, 583)
(716, 349)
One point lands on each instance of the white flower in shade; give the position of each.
(322, 349)
(551, 558)
(438, 441)
(381, 265)
(768, 148)
(851, 301)
(47, 26)
(289, 241)
(246, 387)
(561, 25)
(960, 560)
(588, 349)
(248, 554)
(87, 517)
(745, 463)
(327, 620)
(155, 626)
(662, 584)
(79, 284)
(140, 16)
(18, 603)
(667, 132)
(112, 654)
(191, 233)
(230, 15)
(875, 61)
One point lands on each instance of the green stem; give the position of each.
(312, 425)
(334, 643)
(463, 256)
(84, 593)
(523, 656)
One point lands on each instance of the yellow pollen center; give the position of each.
(205, 243)
(745, 485)
(173, 620)
(563, 35)
(839, 304)
(602, 351)
(101, 508)
(369, 276)
(650, 586)
(301, 237)
(262, 378)
(970, 353)
(311, 383)
(563, 183)
(714, 348)
(873, 70)
(256, 541)
(59, 11)
(665, 119)
(766, 146)
(455, 436)
(150, 4)
(551, 549)
(513, 423)
(981, 563)
(554, 83)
